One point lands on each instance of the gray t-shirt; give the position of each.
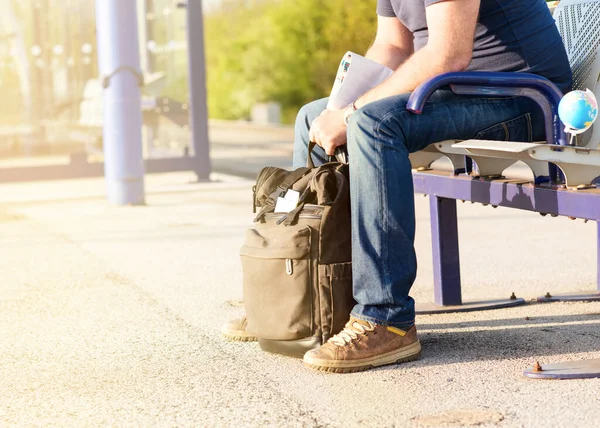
(511, 35)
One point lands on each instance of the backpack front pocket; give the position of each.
(277, 268)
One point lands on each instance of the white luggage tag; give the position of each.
(288, 202)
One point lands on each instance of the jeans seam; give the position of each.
(385, 245)
(506, 136)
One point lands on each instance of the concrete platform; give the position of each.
(110, 316)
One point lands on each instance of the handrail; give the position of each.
(497, 84)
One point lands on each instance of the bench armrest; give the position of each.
(498, 84)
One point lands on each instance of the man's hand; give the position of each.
(329, 130)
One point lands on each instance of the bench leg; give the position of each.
(446, 261)
(446, 264)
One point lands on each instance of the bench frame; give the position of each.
(444, 190)
(551, 197)
(545, 195)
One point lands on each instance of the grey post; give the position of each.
(119, 64)
(198, 114)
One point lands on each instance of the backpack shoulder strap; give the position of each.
(294, 176)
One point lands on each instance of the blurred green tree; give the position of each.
(280, 51)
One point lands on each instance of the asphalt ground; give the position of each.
(110, 316)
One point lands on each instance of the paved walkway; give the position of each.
(109, 317)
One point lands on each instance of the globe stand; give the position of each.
(573, 134)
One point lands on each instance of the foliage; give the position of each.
(283, 51)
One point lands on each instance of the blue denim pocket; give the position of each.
(517, 129)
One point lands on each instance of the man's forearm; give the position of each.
(387, 54)
(421, 66)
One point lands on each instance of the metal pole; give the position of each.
(143, 34)
(198, 113)
(46, 56)
(149, 66)
(36, 95)
(68, 51)
(119, 64)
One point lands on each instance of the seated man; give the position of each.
(451, 35)
(419, 39)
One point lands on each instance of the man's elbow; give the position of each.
(458, 62)
(450, 60)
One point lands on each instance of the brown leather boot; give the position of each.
(362, 345)
(236, 330)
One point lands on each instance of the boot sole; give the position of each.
(406, 354)
(238, 336)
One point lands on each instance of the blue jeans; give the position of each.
(380, 137)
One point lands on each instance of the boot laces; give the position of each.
(351, 332)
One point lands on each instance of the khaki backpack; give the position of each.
(297, 270)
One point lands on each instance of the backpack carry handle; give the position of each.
(309, 161)
(341, 155)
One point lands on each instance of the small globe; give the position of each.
(578, 110)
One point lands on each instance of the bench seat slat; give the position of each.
(499, 146)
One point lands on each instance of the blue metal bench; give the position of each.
(564, 175)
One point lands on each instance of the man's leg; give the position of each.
(306, 115)
(384, 265)
(380, 137)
